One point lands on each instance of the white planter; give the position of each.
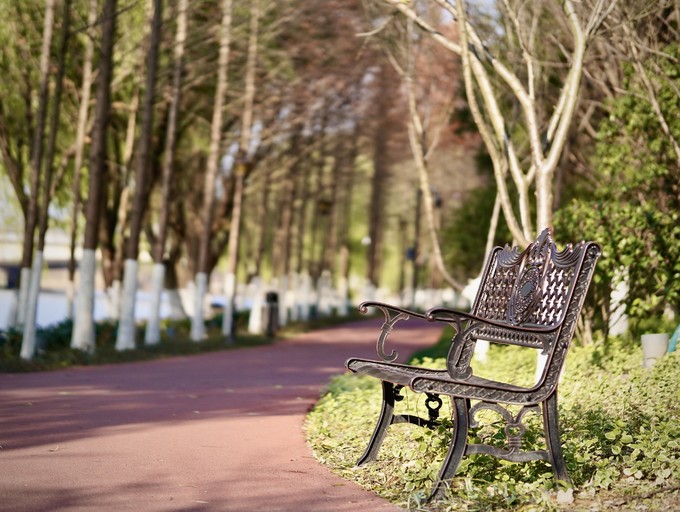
(653, 347)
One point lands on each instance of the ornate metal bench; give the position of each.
(532, 299)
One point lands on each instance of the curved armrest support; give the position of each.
(392, 315)
(465, 324)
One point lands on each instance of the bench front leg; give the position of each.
(457, 448)
(384, 421)
(552, 439)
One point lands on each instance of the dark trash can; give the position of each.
(271, 313)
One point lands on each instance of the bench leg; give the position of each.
(457, 448)
(552, 438)
(384, 421)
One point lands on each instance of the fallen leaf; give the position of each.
(565, 497)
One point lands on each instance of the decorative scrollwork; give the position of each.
(392, 316)
(514, 427)
(433, 404)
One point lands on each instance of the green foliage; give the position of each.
(635, 211)
(465, 235)
(54, 351)
(620, 437)
(54, 342)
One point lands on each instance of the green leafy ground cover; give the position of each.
(620, 432)
(54, 341)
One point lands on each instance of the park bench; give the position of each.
(529, 298)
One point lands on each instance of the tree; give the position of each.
(83, 330)
(125, 339)
(487, 76)
(243, 163)
(28, 341)
(633, 208)
(201, 278)
(79, 149)
(152, 334)
(36, 168)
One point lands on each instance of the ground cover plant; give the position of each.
(620, 429)
(54, 350)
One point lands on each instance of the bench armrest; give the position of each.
(392, 315)
(466, 325)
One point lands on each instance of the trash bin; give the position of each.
(271, 313)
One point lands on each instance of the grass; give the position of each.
(54, 350)
(620, 434)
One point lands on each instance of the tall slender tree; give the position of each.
(28, 340)
(201, 278)
(36, 161)
(125, 339)
(79, 150)
(83, 330)
(244, 161)
(152, 333)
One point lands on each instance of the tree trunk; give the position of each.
(125, 339)
(244, 161)
(197, 325)
(152, 334)
(36, 162)
(345, 223)
(83, 330)
(378, 183)
(80, 146)
(28, 341)
(264, 216)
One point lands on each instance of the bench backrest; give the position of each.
(538, 287)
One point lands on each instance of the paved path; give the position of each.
(213, 432)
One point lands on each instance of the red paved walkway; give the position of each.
(214, 432)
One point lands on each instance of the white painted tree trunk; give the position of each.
(228, 311)
(114, 294)
(324, 291)
(343, 301)
(197, 323)
(152, 335)
(305, 287)
(12, 309)
(31, 314)
(293, 297)
(255, 317)
(70, 299)
(177, 311)
(83, 337)
(125, 337)
(24, 283)
(283, 301)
